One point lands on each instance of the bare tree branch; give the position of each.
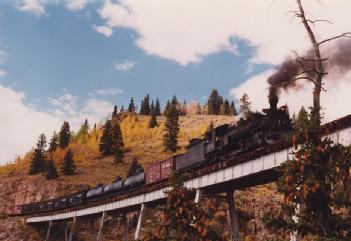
(318, 20)
(346, 35)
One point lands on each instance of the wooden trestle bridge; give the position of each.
(251, 169)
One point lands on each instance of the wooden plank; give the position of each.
(72, 229)
(126, 227)
(98, 237)
(140, 220)
(233, 217)
(48, 231)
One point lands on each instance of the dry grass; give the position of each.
(140, 142)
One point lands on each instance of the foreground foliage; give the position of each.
(316, 188)
(181, 219)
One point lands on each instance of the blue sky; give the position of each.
(74, 59)
(61, 52)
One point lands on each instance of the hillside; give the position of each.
(141, 142)
(17, 187)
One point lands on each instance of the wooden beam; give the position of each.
(126, 227)
(72, 229)
(48, 231)
(198, 195)
(233, 217)
(98, 237)
(140, 220)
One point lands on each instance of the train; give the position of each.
(257, 131)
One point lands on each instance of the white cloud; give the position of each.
(110, 91)
(334, 102)
(32, 6)
(105, 30)
(185, 31)
(124, 66)
(22, 122)
(2, 73)
(75, 5)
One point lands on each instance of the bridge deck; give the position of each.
(251, 172)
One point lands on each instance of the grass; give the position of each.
(141, 142)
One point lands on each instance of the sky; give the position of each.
(67, 60)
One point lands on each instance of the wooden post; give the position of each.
(66, 233)
(98, 237)
(48, 231)
(126, 227)
(198, 196)
(233, 217)
(72, 229)
(141, 215)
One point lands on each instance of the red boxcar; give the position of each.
(14, 210)
(159, 171)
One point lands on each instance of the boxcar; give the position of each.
(159, 171)
(195, 155)
(14, 210)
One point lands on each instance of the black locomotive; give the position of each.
(258, 130)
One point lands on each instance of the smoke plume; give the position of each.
(337, 65)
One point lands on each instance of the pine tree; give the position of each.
(65, 135)
(214, 103)
(39, 157)
(53, 143)
(158, 107)
(105, 146)
(83, 133)
(145, 105)
(122, 109)
(167, 107)
(183, 110)
(131, 107)
(232, 107)
(115, 112)
(225, 108)
(68, 166)
(302, 120)
(153, 120)
(152, 107)
(133, 166)
(51, 171)
(117, 141)
(170, 138)
(245, 106)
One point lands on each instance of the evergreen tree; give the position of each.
(167, 107)
(152, 107)
(115, 112)
(133, 166)
(53, 143)
(183, 110)
(232, 107)
(105, 146)
(68, 166)
(153, 120)
(302, 120)
(83, 133)
(158, 107)
(214, 103)
(122, 109)
(65, 135)
(117, 141)
(145, 105)
(131, 107)
(39, 157)
(245, 106)
(225, 108)
(170, 138)
(51, 171)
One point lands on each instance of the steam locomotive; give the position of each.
(258, 130)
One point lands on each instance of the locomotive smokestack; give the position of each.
(273, 98)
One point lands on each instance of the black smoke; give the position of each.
(338, 64)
